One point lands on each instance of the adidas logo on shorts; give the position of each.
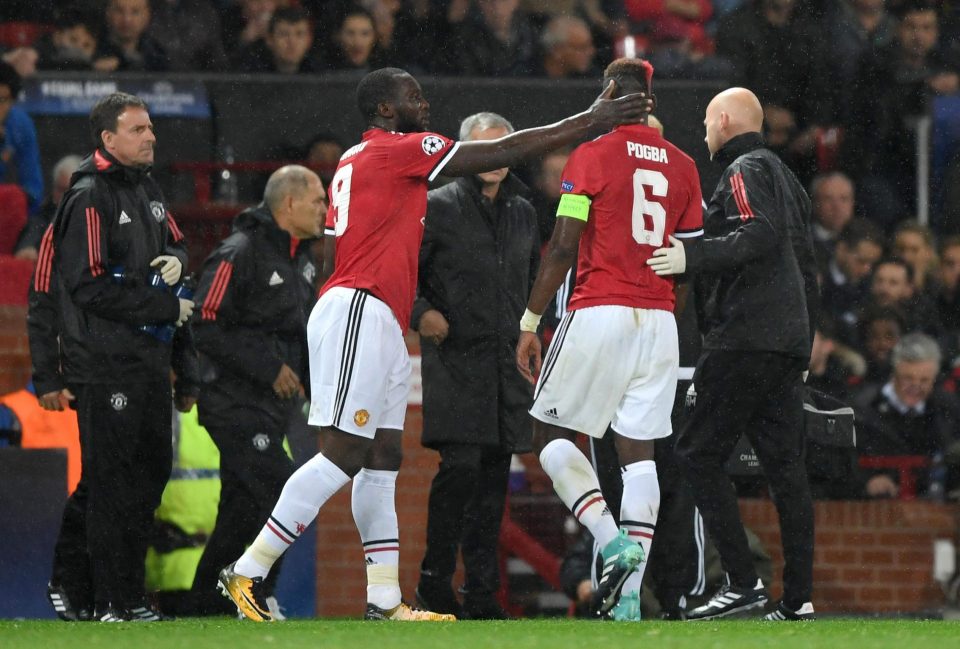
(552, 413)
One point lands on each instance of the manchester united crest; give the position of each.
(361, 417)
(156, 208)
(118, 400)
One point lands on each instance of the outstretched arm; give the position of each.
(485, 155)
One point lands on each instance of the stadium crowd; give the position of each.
(841, 83)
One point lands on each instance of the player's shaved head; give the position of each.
(733, 112)
(376, 88)
(291, 180)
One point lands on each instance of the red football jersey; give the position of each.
(634, 189)
(378, 200)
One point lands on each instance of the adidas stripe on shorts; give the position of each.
(610, 365)
(359, 365)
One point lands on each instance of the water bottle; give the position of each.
(184, 291)
(228, 190)
(937, 487)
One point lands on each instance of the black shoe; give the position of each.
(731, 600)
(437, 597)
(146, 612)
(66, 609)
(673, 614)
(483, 608)
(784, 614)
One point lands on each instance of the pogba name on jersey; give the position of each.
(647, 152)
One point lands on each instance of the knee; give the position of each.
(385, 457)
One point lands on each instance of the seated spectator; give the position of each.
(190, 32)
(19, 151)
(354, 45)
(676, 32)
(245, 22)
(833, 367)
(495, 39)
(71, 45)
(845, 284)
(323, 149)
(948, 286)
(913, 243)
(126, 45)
(287, 48)
(832, 196)
(567, 49)
(407, 48)
(28, 244)
(892, 87)
(881, 328)
(906, 415)
(892, 285)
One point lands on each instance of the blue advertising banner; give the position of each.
(166, 98)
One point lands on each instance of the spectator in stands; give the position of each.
(190, 33)
(28, 244)
(71, 45)
(354, 45)
(567, 49)
(913, 242)
(245, 22)
(892, 285)
(832, 196)
(22, 59)
(287, 47)
(495, 39)
(19, 151)
(948, 286)
(677, 35)
(407, 46)
(881, 328)
(845, 282)
(907, 415)
(126, 45)
(833, 366)
(892, 88)
(323, 149)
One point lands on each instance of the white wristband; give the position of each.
(530, 321)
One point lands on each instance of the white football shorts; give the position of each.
(610, 365)
(359, 365)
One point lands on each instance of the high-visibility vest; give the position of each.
(189, 502)
(41, 428)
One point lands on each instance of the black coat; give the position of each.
(477, 265)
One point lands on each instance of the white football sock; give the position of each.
(375, 514)
(638, 512)
(302, 497)
(576, 483)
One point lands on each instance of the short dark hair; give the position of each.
(949, 242)
(377, 87)
(917, 228)
(73, 17)
(876, 313)
(858, 230)
(10, 79)
(633, 75)
(913, 6)
(107, 111)
(896, 261)
(291, 15)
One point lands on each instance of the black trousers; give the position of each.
(253, 470)
(467, 499)
(676, 563)
(71, 560)
(126, 448)
(758, 394)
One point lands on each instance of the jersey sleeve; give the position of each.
(690, 224)
(424, 155)
(578, 186)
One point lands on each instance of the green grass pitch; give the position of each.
(521, 634)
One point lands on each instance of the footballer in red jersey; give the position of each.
(614, 358)
(359, 366)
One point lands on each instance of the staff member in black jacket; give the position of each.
(111, 232)
(758, 266)
(478, 260)
(70, 590)
(255, 294)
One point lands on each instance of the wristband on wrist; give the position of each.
(530, 321)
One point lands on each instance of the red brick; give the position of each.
(876, 557)
(839, 557)
(858, 575)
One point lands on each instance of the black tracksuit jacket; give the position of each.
(111, 217)
(756, 263)
(253, 300)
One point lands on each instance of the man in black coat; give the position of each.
(758, 263)
(479, 257)
(255, 294)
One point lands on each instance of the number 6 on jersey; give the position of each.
(642, 207)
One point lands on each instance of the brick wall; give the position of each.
(869, 556)
(14, 349)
